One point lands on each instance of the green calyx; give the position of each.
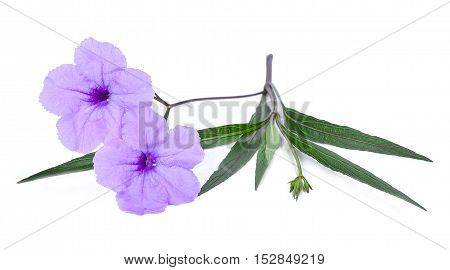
(298, 185)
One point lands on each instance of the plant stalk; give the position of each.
(267, 89)
(294, 152)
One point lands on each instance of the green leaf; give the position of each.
(241, 152)
(239, 155)
(272, 141)
(261, 162)
(269, 144)
(337, 163)
(80, 164)
(321, 131)
(217, 136)
(262, 111)
(210, 137)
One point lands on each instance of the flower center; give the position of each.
(99, 94)
(146, 162)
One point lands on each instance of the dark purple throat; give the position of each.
(146, 161)
(99, 94)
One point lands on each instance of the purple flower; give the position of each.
(151, 168)
(92, 95)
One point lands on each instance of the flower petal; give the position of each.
(115, 165)
(65, 90)
(94, 59)
(130, 87)
(182, 185)
(112, 115)
(143, 196)
(180, 148)
(143, 128)
(82, 131)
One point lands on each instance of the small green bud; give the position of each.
(297, 185)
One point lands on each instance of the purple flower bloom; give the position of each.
(92, 95)
(151, 168)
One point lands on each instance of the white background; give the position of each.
(397, 89)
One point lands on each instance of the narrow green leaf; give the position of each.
(337, 163)
(321, 131)
(241, 152)
(217, 136)
(239, 155)
(261, 162)
(80, 164)
(262, 111)
(272, 141)
(210, 137)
